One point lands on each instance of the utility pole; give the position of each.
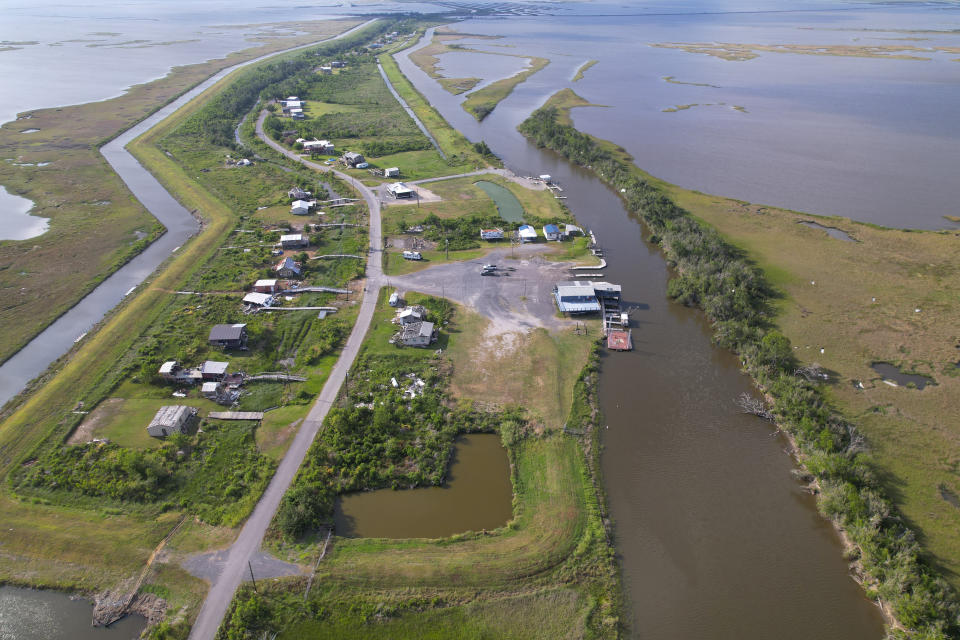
(252, 579)
(448, 246)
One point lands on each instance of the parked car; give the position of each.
(488, 269)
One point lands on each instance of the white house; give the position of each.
(411, 314)
(210, 389)
(265, 286)
(491, 234)
(258, 299)
(300, 207)
(527, 233)
(551, 232)
(170, 419)
(400, 190)
(318, 146)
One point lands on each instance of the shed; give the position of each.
(293, 241)
(229, 336)
(300, 207)
(392, 172)
(411, 314)
(258, 299)
(265, 286)
(170, 419)
(400, 190)
(551, 232)
(214, 370)
(418, 334)
(210, 389)
(527, 233)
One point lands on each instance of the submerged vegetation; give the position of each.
(718, 278)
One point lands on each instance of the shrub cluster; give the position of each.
(718, 278)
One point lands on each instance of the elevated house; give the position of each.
(170, 419)
(173, 372)
(352, 159)
(228, 336)
(265, 286)
(551, 232)
(491, 234)
(418, 334)
(526, 233)
(288, 268)
(317, 146)
(293, 241)
(214, 370)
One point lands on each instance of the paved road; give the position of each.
(248, 542)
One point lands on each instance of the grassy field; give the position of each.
(95, 224)
(567, 99)
(482, 102)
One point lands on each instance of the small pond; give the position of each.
(890, 372)
(15, 221)
(477, 495)
(831, 231)
(31, 614)
(508, 206)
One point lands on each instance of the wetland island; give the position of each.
(383, 320)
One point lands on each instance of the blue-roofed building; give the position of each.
(576, 298)
(551, 232)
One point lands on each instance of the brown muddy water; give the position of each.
(30, 614)
(476, 496)
(714, 536)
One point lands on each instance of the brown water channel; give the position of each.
(476, 496)
(715, 537)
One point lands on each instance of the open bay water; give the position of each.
(872, 139)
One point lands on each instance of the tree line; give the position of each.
(719, 279)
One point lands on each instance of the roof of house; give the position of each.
(171, 415)
(262, 299)
(527, 231)
(571, 228)
(296, 204)
(351, 155)
(576, 297)
(209, 387)
(412, 311)
(288, 263)
(227, 331)
(293, 237)
(214, 367)
(168, 367)
(418, 330)
(551, 228)
(265, 283)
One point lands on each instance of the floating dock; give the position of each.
(620, 340)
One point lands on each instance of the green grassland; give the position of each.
(583, 69)
(95, 223)
(482, 102)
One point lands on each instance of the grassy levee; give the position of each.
(482, 102)
(583, 69)
(96, 226)
(450, 140)
(840, 311)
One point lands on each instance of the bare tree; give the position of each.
(754, 406)
(812, 372)
(856, 443)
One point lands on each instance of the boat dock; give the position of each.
(620, 339)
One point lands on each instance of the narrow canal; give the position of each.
(715, 538)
